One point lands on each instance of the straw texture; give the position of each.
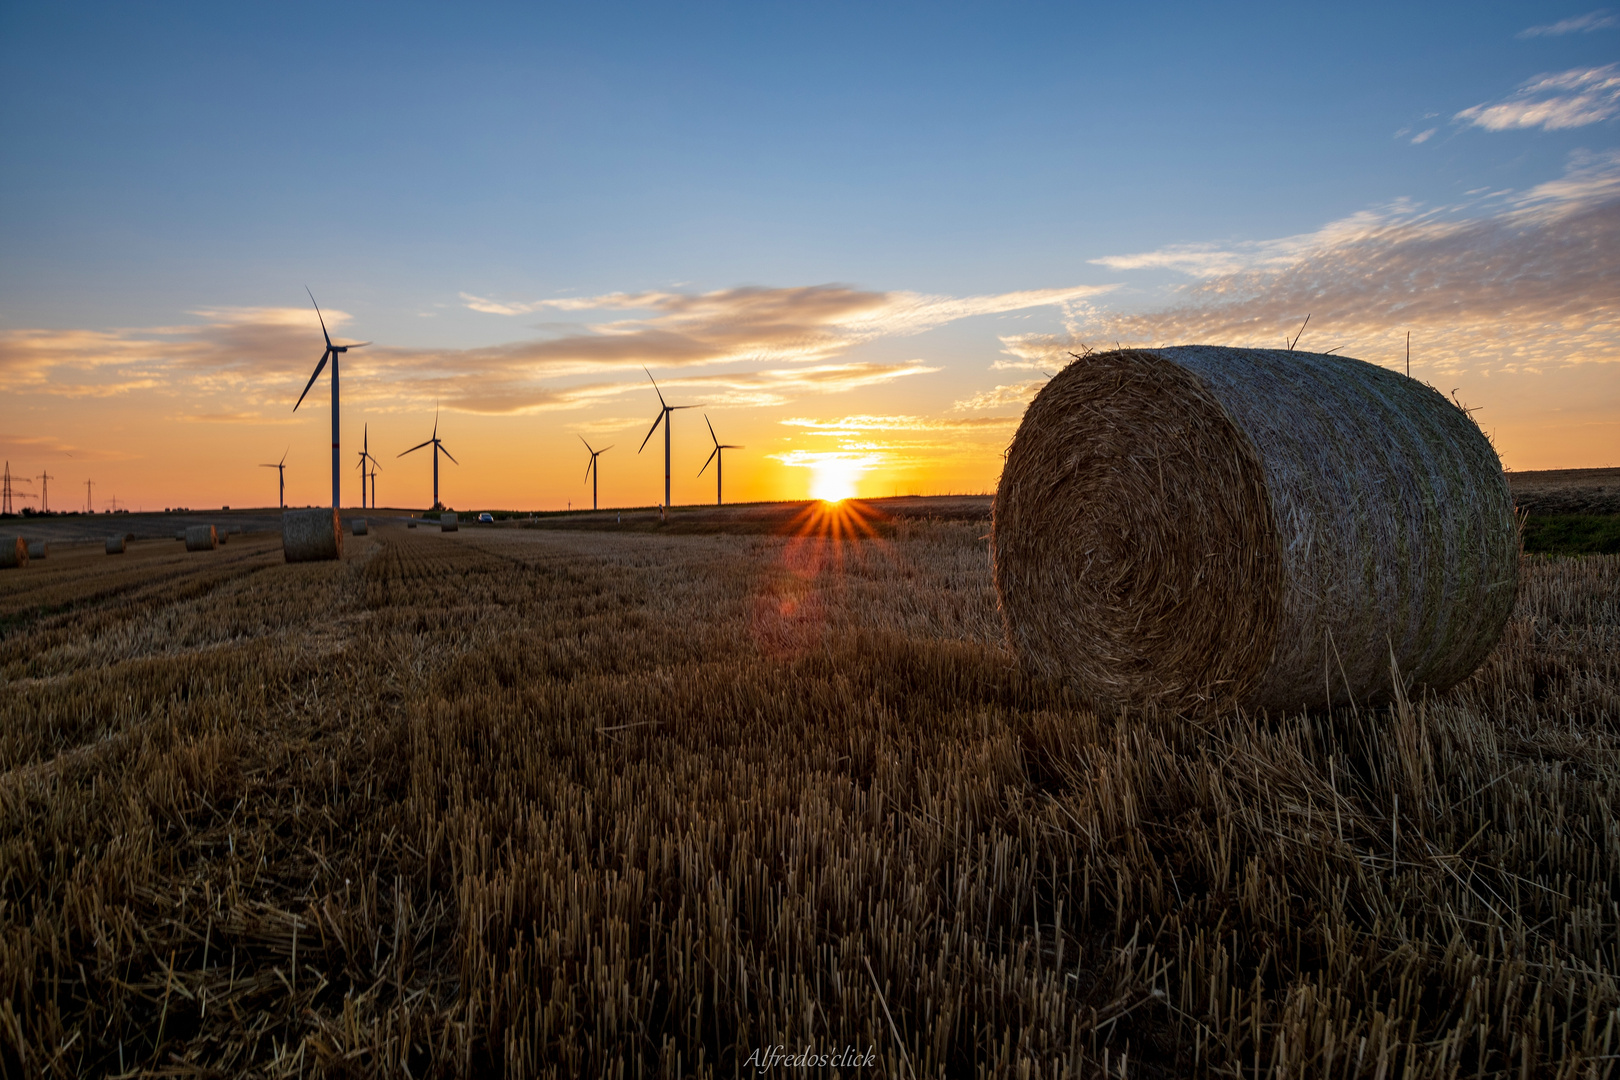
(115, 545)
(449, 523)
(311, 535)
(359, 526)
(1199, 526)
(201, 538)
(13, 552)
(38, 549)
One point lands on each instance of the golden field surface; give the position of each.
(574, 803)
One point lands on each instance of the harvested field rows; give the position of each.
(579, 804)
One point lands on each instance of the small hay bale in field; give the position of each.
(179, 534)
(311, 535)
(201, 538)
(1199, 526)
(449, 523)
(13, 552)
(359, 526)
(115, 545)
(411, 524)
(38, 549)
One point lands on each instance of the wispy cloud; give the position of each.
(852, 425)
(1512, 281)
(1020, 393)
(1601, 19)
(1568, 99)
(795, 340)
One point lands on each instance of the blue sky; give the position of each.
(444, 176)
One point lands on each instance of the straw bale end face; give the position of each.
(201, 538)
(1133, 546)
(449, 523)
(13, 552)
(1200, 526)
(115, 545)
(311, 535)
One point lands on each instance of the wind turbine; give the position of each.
(663, 418)
(592, 472)
(437, 447)
(374, 483)
(365, 455)
(719, 460)
(331, 353)
(281, 477)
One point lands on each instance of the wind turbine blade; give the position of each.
(605, 449)
(320, 367)
(415, 448)
(448, 454)
(672, 407)
(657, 391)
(581, 438)
(435, 420)
(708, 459)
(650, 431)
(356, 345)
(284, 454)
(318, 315)
(711, 429)
(733, 448)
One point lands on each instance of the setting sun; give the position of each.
(834, 478)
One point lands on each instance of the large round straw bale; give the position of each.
(13, 552)
(449, 523)
(359, 526)
(38, 549)
(311, 535)
(1269, 529)
(115, 545)
(201, 538)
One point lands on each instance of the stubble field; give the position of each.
(572, 803)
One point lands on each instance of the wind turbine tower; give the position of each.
(437, 448)
(281, 477)
(663, 418)
(332, 353)
(45, 479)
(719, 460)
(593, 472)
(89, 507)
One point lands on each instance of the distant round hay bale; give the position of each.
(179, 534)
(449, 523)
(221, 535)
(38, 549)
(359, 526)
(201, 538)
(1202, 526)
(115, 545)
(411, 524)
(13, 552)
(311, 535)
